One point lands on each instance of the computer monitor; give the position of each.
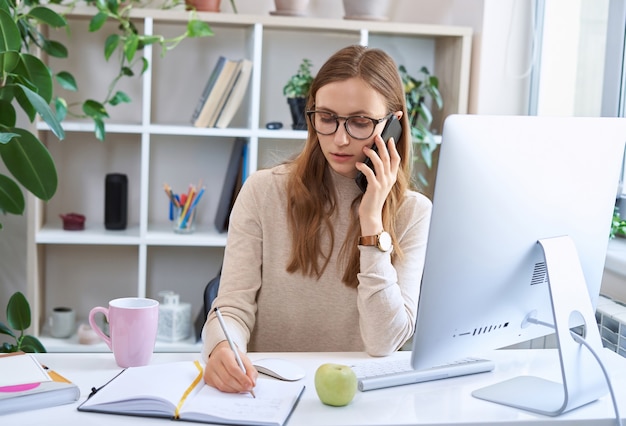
(504, 183)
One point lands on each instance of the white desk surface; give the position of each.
(443, 402)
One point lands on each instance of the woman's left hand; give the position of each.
(386, 164)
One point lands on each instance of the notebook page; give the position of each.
(274, 402)
(20, 369)
(146, 389)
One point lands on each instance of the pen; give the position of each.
(231, 343)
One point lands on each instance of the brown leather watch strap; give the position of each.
(369, 240)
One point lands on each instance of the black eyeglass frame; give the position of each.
(375, 121)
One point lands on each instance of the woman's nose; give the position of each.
(341, 135)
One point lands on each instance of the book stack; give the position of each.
(223, 93)
(25, 384)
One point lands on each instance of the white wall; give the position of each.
(498, 83)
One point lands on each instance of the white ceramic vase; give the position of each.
(291, 7)
(374, 10)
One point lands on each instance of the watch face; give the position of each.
(384, 241)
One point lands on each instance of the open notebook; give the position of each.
(177, 391)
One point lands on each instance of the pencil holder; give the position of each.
(184, 220)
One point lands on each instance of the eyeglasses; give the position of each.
(357, 126)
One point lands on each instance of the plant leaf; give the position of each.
(31, 344)
(145, 65)
(11, 197)
(100, 130)
(42, 107)
(54, 48)
(119, 97)
(60, 106)
(197, 28)
(18, 312)
(110, 45)
(97, 21)
(94, 109)
(47, 16)
(38, 75)
(8, 61)
(8, 116)
(67, 81)
(127, 71)
(10, 38)
(6, 330)
(8, 348)
(5, 137)
(30, 162)
(130, 47)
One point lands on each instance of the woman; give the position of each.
(296, 274)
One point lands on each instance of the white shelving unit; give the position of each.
(152, 142)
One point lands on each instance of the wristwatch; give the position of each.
(382, 241)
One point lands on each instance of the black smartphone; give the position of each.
(393, 129)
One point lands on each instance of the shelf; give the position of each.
(71, 344)
(93, 234)
(164, 236)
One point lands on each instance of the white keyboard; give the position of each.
(388, 372)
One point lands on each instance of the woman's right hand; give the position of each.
(223, 372)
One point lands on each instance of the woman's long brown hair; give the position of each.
(311, 196)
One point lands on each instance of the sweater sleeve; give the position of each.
(241, 270)
(388, 293)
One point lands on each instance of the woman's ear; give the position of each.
(398, 114)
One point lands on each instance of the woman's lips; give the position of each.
(340, 157)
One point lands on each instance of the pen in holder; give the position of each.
(184, 221)
(183, 208)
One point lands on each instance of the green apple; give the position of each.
(335, 384)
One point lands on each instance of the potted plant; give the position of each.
(420, 95)
(207, 5)
(296, 90)
(26, 84)
(18, 318)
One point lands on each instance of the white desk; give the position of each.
(443, 402)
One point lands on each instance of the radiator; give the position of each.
(611, 317)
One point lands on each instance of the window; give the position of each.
(580, 67)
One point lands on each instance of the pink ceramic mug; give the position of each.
(133, 325)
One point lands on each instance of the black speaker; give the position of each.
(115, 201)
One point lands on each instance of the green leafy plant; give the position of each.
(26, 84)
(126, 46)
(420, 95)
(18, 318)
(299, 84)
(618, 225)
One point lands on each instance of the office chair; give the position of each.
(210, 293)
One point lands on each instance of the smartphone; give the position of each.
(393, 129)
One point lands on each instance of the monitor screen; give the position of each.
(503, 183)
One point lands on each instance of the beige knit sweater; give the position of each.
(270, 310)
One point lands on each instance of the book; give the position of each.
(232, 78)
(176, 390)
(25, 384)
(216, 96)
(232, 184)
(236, 95)
(217, 69)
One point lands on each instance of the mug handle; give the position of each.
(94, 325)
